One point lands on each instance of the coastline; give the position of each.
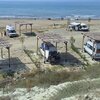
(73, 17)
(38, 23)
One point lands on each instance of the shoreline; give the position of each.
(51, 18)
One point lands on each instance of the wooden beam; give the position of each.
(1, 52)
(66, 46)
(26, 28)
(1, 34)
(44, 54)
(20, 30)
(15, 25)
(83, 43)
(93, 49)
(37, 45)
(9, 56)
(31, 28)
(56, 44)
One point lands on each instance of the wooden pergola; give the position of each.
(5, 44)
(23, 24)
(50, 37)
(95, 37)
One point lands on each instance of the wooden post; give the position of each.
(44, 53)
(93, 49)
(83, 43)
(66, 45)
(1, 52)
(20, 30)
(1, 34)
(37, 45)
(56, 44)
(31, 28)
(9, 56)
(68, 22)
(26, 28)
(15, 25)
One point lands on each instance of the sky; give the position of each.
(51, 0)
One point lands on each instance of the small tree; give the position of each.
(22, 39)
(68, 22)
(72, 40)
(89, 19)
(28, 85)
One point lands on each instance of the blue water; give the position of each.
(30, 9)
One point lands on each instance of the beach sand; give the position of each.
(20, 61)
(43, 26)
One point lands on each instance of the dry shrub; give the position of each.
(56, 77)
(29, 84)
(93, 71)
(30, 74)
(5, 98)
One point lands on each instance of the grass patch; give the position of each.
(93, 71)
(5, 98)
(42, 31)
(78, 52)
(47, 77)
(35, 60)
(72, 40)
(54, 75)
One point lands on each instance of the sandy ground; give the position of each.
(19, 58)
(20, 62)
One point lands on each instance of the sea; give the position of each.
(50, 9)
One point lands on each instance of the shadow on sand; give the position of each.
(16, 65)
(30, 34)
(69, 59)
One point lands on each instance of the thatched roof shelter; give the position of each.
(4, 43)
(94, 36)
(50, 37)
(23, 24)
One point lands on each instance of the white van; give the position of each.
(10, 31)
(94, 52)
(78, 26)
(49, 51)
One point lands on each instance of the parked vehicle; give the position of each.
(78, 26)
(49, 51)
(10, 31)
(92, 49)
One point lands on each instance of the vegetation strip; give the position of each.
(72, 40)
(69, 89)
(37, 64)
